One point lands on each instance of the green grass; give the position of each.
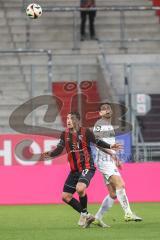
(59, 222)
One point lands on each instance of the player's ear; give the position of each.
(100, 113)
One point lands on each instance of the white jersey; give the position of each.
(105, 131)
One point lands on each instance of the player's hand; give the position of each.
(116, 146)
(118, 163)
(44, 156)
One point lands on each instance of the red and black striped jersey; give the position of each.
(78, 148)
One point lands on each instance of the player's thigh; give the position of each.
(109, 169)
(116, 181)
(85, 178)
(70, 183)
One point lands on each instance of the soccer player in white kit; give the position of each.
(108, 165)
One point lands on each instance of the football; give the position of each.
(34, 11)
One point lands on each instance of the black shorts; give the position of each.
(74, 177)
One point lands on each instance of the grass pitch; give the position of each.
(59, 222)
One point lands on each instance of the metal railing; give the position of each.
(121, 9)
(35, 52)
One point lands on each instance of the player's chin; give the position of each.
(69, 126)
(109, 115)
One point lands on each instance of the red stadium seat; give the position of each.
(66, 90)
(156, 3)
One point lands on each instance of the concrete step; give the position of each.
(16, 14)
(99, 2)
(8, 59)
(132, 48)
(63, 70)
(151, 71)
(9, 70)
(12, 100)
(22, 94)
(5, 37)
(4, 30)
(145, 77)
(144, 45)
(104, 34)
(1, 13)
(132, 59)
(61, 20)
(8, 79)
(22, 30)
(8, 108)
(42, 80)
(6, 45)
(6, 113)
(100, 20)
(4, 122)
(16, 4)
(52, 45)
(143, 35)
(34, 59)
(2, 22)
(113, 14)
(54, 36)
(132, 27)
(64, 23)
(66, 60)
(12, 4)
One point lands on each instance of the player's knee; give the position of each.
(113, 195)
(119, 183)
(80, 190)
(66, 197)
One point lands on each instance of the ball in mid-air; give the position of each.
(34, 10)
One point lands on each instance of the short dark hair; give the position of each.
(105, 103)
(76, 114)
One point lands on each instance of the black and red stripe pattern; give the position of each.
(78, 149)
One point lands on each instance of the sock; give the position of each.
(83, 201)
(106, 204)
(123, 200)
(76, 205)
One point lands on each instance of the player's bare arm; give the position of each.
(116, 146)
(54, 153)
(118, 162)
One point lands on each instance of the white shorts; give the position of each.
(108, 169)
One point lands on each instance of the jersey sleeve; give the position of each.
(60, 146)
(92, 138)
(97, 130)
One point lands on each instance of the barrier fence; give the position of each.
(121, 9)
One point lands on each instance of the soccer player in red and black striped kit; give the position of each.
(77, 141)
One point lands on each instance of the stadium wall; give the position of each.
(42, 183)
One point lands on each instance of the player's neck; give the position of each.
(108, 120)
(75, 129)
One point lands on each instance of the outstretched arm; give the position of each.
(57, 151)
(117, 161)
(102, 144)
